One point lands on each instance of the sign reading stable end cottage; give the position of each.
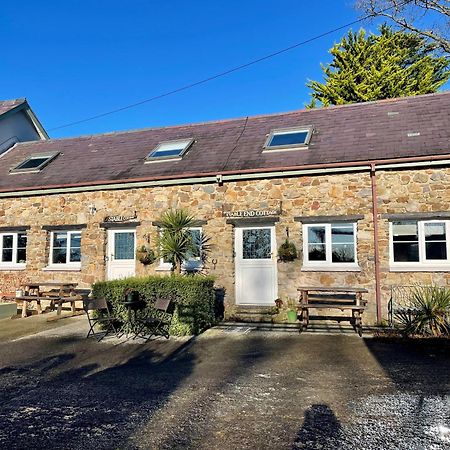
(115, 219)
(251, 213)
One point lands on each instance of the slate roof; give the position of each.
(395, 128)
(8, 105)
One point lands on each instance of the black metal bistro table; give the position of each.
(130, 326)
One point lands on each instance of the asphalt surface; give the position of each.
(230, 388)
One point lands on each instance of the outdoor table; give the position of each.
(130, 326)
(60, 292)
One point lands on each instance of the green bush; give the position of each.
(194, 298)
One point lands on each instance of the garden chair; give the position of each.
(159, 322)
(102, 316)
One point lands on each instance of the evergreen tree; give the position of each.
(391, 64)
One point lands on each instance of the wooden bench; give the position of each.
(57, 302)
(341, 298)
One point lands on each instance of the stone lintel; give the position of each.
(247, 221)
(195, 223)
(418, 216)
(14, 229)
(329, 219)
(78, 226)
(109, 225)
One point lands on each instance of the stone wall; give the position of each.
(337, 195)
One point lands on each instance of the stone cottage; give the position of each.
(362, 190)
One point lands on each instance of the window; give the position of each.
(288, 139)
(420, 243)
(13, 250)
(194, 260)
(330, 244)
(65, 248)
(34, 163)
(170, 150)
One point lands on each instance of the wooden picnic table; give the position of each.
(57, 293)
(342, 298)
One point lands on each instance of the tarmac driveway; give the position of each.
(230, 388)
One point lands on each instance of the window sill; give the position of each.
(420, 268)
(163, 269)
(328, 268)
(62, 268)
(13, 267)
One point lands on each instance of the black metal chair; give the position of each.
(159, 322)
(102, 317)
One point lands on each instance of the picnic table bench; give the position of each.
(342, 298)
(55, 292)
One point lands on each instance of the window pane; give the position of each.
(75, 240)
(436, 250)
(7, 255)
(256, 244)
(405, 231)
(8, 241)
(342, 253)
(434, 231)
(32, 163)
(295, 138)
(316, 252)
(21, 240)
(124, 245)
(75, 255)
(59, 240)
(406, 252)
(342, 234)
(21, 255)
(59, 256)
(197, 241)
(316, 235)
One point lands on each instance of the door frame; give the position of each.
(240, 262)
(110, 241)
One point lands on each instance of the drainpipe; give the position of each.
(373, 180)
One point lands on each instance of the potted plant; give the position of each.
(145, 255)
(131, 295)
(292, 310)
(287, 251)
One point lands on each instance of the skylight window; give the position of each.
(288, 138)
(34, 163)
(169, 150)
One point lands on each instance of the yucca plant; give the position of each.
(431, 306)
(175, 241)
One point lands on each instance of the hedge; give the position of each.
(194, 297)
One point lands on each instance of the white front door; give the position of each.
(120, 256)
(255, 265)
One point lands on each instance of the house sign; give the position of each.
(252, 213)
(114, 219)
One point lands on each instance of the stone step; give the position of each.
(254, 309)
(252, 317)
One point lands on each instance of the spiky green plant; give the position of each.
(175, 242)
(431, 305)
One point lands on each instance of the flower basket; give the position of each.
(287, 251)
(145, 255)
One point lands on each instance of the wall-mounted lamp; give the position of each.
(92, 209)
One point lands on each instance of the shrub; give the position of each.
(194, 298)
(429, 311)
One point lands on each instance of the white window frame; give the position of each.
(192, 264)
(280, 148)
(11, 265)
(68, 265)
(423, 264)
(328, 264)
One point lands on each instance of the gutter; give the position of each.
(195, 178)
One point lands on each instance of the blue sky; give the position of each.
(74, 59)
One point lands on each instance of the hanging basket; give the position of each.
(287, 251)
(145, 255)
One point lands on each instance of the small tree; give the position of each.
(175, 242)
(374, 67)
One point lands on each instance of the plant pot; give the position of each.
(292, 316)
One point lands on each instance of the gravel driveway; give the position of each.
(227, 389)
